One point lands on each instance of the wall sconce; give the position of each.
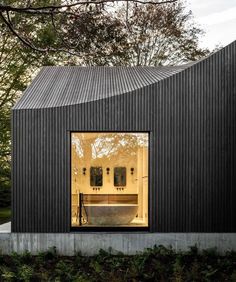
(84, 170)
(108, 170)
(132, 170)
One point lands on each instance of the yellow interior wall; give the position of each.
(81, 182)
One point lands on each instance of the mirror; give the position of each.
(120, 176)
(96, 176)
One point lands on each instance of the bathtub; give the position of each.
(110, 214)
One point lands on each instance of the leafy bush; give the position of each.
(154, 264)
(6, 273)
(25, 273)
(5, 196)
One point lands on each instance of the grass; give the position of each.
(5, 215)
(154, 264)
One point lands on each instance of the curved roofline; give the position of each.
(60, 86)
(148, 80)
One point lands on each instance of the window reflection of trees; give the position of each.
(108, 145)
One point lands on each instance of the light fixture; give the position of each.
(132, 170)
(84, 170)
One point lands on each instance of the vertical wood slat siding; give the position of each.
(191, 118)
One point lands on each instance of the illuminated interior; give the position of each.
(109, 179)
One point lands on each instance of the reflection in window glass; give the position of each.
(95, 176)
(119, 163)
(119, 176)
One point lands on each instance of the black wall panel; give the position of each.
(191, 117)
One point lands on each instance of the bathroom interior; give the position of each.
(109, 179)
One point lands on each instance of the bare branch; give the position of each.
(6, 11)
(50, 8)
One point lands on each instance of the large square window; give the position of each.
(109, 179)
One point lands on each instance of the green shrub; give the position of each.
(25, 273)
(7, 274)
(154, 264)
(63, 271)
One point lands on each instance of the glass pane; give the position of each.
(120, 176)
(96, 176)
(109, 178)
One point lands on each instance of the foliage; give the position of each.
(105, 34)
(18, 64)
(99, 38)
(5, 192)
(5, 213)
(61, 15)
(162, 35)
(155, 264)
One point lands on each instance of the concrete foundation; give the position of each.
(128, 243)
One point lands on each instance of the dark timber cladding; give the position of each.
(190, 112)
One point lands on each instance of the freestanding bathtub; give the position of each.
(110, 214)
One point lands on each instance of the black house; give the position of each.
(127, 148)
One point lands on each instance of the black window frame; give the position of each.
(116, 229)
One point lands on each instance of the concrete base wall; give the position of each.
(128, 243)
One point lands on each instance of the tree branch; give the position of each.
(29, 44)
(64, 9)
(50, 8)
(60, 37)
